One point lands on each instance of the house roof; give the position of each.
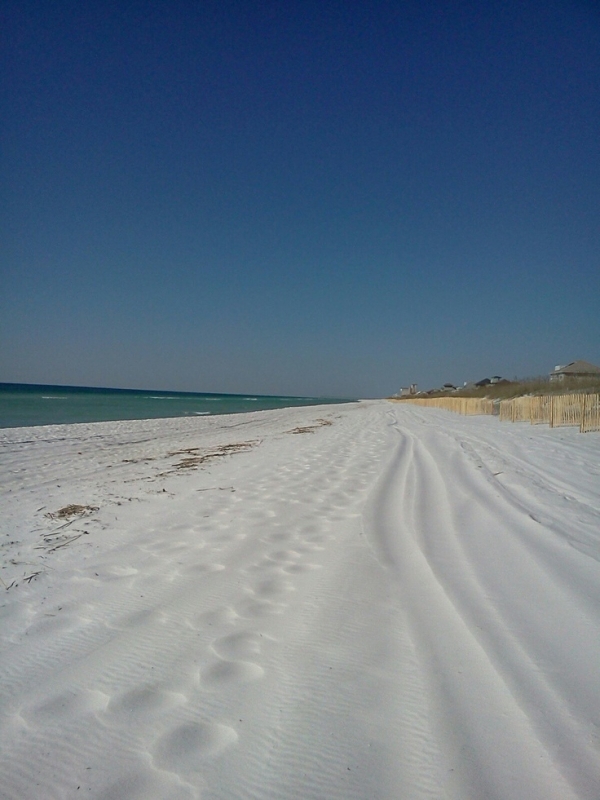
(577, 368)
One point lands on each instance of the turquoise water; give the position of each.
(32, 404)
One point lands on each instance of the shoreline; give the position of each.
(25, 405)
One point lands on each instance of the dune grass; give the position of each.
(526, 386)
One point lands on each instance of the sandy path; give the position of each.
(389, 602)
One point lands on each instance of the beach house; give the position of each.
(576, 369)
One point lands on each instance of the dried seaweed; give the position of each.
(72, 510)
(311, 428)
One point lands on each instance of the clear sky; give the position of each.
(310, 198)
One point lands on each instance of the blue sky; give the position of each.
(310, 198)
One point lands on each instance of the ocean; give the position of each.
(32, 404)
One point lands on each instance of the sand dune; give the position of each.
(354, 601)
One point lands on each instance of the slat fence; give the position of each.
(555, 410)
(460, 405)
(565, 409)
(590, 414)
(539, 410)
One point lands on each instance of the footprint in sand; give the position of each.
(147, 785)
(284, 556)
(184, 748)
(144, 702)
(146, 616)
(278, 537)
(264, 565)
(203, 569)
(121, 572)
(252, 608)
(59, 622)
(66, 705)
(168, 548)
(296, 569)
(310, 547)
(308, 530)
(223, 615)
(272, 588)
(317, 537)
(224, 673)
(243, 644)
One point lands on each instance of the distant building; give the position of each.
(493, 380)
(576, 369)
(407, 391)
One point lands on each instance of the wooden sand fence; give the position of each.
(460, 405)
(516, 410)
(590, 414)
(556, 410)
(565, 409)
(539, 410)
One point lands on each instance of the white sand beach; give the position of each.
(363, 601)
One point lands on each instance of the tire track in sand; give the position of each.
(488, 738)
